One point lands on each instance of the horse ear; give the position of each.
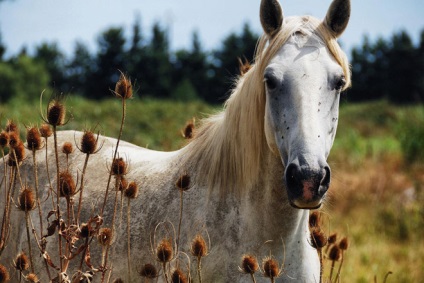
(271, 16)
(338, 16)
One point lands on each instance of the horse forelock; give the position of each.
(227, 153)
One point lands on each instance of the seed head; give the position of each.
(11, 126)
(318, 239)
(164, 251)
(335, 253)
(148, 271)
(105, 236)
(188, 132)
(21, 262)
(123, 87)
(198, 247)
(33, 138)
(88, 143)
(14, 139)
(123, 184)
(17, 155)
(314, 219)
(4, 274)
(270, 268)
(249, 264)
(4, 139)
(119, 167)
(32, 278)
(332, 238)
(178, 276)
(67, 148)
(132, 190)
(244, 67)
(67, 184)
(344, 244)
(45, 131)
(56, 113)
(26, 199)
(183, 182)
(85, 231)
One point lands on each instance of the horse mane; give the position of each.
(228, 148)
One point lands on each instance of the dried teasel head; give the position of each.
(17, 155)
(270, 268)
(188, 131)
(67, 185)
(335, 253)
(105, 236)
(332, 238)
(14, 139)
(244, 66)
(148, 271)
(11, 126)
(21, 262)
(315, 219)
(67, 148)
(198, 247)
(32, 278)
(131, 191)
(178, 276)
(33, 138)
(119, 167)
(344, 244)
(318, 239)
(249, 264)
(56, 112)
(183, 182)
(85, 230)
(26, 199)
(123, 88)
(89, 142)
(4, 274)
(164, 251)
(46, 131)
(4, 139)
(123, 184)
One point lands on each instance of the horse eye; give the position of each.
(340, 83)
(271, 81)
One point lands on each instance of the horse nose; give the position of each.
(307, 186)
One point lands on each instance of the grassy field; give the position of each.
(376, 198)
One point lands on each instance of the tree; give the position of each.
(53, 59)
(80, 68)
(109, 60)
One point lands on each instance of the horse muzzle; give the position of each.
(307, 186)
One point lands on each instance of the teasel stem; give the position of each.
(58, 215)
(6, 213)
(48, 172)
(129, 238)
(82, 188)
(27, 217)
(321, 266)
(115, 152)
(199, 269)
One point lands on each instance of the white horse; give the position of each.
(256, 168)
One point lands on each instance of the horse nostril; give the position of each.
(325, 181)
(292, 176)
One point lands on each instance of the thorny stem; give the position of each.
(48, 173)
(321, 267)
(199, 269)
(332, 268)
(6, 213)
(57, 196)
(82, 188)
(129, 238)
(34, 158)
(253, 277)
(29, 240)
(340, 267)
(164, 272)
(115, 153)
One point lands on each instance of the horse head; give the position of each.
(303, 81)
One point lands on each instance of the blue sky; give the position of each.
(30, 22)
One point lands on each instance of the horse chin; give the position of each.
(299, 204)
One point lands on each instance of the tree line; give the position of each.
(390, 69)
